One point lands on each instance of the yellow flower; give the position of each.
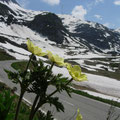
(68, 66)
(79, 116)
(55, 58)
(34, 49)
(75, 72)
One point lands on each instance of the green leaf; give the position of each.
(6, 101)
(55, 101)
(2, 107)
(12, 76)
(60, 83)
(43, 116)
(10, 116)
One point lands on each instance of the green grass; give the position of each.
(5, 56)
(115, 75)
(105, 71)
(24, 110)
(21, 65)
(110, 102)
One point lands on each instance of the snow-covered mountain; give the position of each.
(70, 35)
(71, 38)
(8, 1)
(117, 30)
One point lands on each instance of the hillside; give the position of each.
(93, 46)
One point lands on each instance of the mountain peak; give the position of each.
(8, 1)
(118, 30)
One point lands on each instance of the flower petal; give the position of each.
(55, 58)
(34, 49)
(30, 46)
(75, 72)
(79, 116)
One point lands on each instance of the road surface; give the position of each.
(90, 109)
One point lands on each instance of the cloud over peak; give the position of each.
(79, 12)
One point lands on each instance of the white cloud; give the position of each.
(52, 2)
(107, 24)
(117, 2)
(98, 17)
(79, 12)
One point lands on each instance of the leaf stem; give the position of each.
(28, 63)
(57, 90)
(18, 105)
(23, 90)
(33, 107)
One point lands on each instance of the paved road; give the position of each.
(90, 109)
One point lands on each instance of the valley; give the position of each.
(91, 45)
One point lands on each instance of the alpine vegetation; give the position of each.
(40, 77)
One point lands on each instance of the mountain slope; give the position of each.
(73, 36)
(86, 43)
(95, 36)
(8, 1)
(49, 25)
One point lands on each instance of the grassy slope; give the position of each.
(5, 56)
(110, 102)
(103, 72)
(20, 65)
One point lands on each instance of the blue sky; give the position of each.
(106, 12)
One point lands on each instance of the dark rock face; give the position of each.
(48, 25)
(5, 10)
(4, 40)
(100, 36)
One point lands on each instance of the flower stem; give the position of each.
(23, 90)
(49, 70)
(18, 105)
(28, 63)
(33, 107)
(52, 66)
(36, 109)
